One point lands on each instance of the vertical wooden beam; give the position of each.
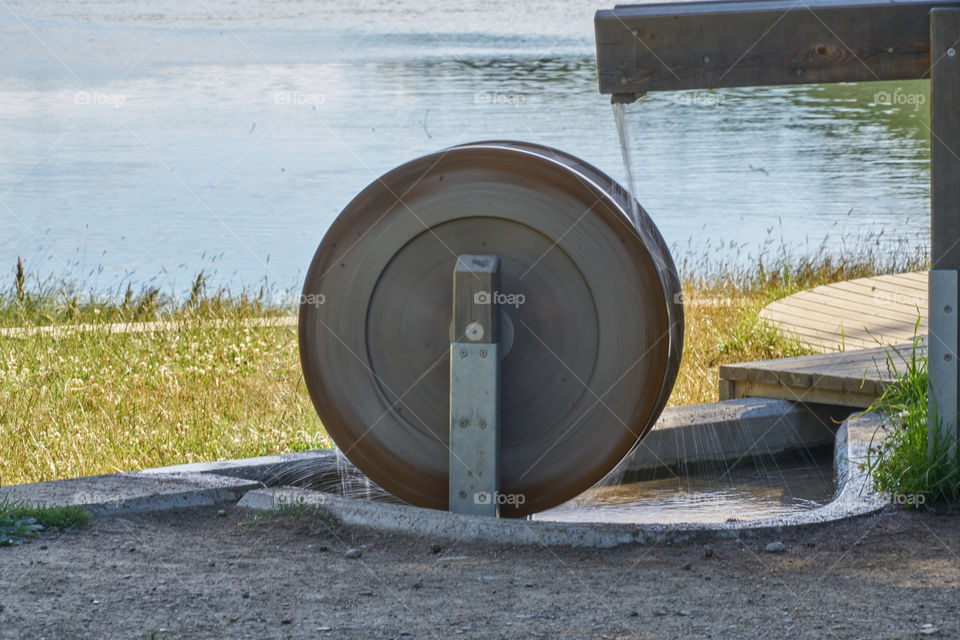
(476, 316)
(944, 222)
(475, 387)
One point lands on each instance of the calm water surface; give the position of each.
(150, 140)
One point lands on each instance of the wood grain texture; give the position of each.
(476, 280)
(857, 314)
(706, 45)
(848, 378)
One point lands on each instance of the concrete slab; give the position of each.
(121, 493)
(855, 497)
(732, 429)
(735, 428)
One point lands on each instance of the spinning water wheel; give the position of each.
(585, 310)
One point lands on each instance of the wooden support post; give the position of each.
(944, 305)
(475, 387)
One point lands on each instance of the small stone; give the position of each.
(286, 621)
(366, 593)
(130, 546)
(43, 546)
(245, 595)
(634, 614)
(707, 551)
(435, 548)
(221, 513)
(928, 629)
(324, 548)
(325, 629)
(353, 554)
(527, 584)
(683, 612)
(687, 566)
(776, 547)
(660, 612)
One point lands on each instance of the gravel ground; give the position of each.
(205, 573)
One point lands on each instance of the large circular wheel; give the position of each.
(597, 321)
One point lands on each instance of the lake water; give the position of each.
(150, 140)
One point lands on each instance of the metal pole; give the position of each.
(475, 387)
(944, 305)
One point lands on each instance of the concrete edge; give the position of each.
(237, 481)
(855, 497)
(133, 492)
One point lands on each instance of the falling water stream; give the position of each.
(620, 116)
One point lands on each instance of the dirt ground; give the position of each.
(234, 574)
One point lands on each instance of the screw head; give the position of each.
(706, 58)
(463, 353)
(462, 494)
(464, 423)
(947, 357)
(483, 423)
(483, 353)
(951, 53)
(947, 308)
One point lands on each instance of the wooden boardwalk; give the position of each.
(856, 314)
(848, 378)
(851, 323)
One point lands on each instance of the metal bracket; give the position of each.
(475, 387)
(944, 227)
(942, 361)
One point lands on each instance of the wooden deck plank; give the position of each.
(857, 315)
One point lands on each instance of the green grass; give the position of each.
(211, 387)
(19, 522)
(901, 463)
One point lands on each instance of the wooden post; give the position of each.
(944, 226)
(475, 387)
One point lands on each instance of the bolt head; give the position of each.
(462, 494)
(951, 53)
(474, 332)
(947, 308)
(463, 353)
